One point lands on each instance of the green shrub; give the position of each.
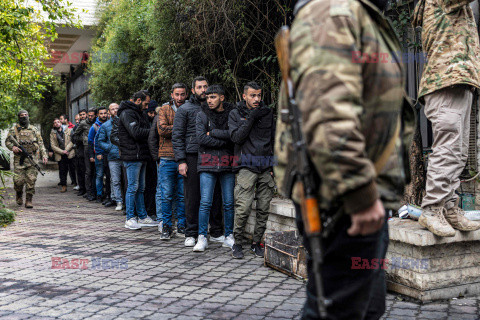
(7, 216)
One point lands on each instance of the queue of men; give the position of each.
(189, 167)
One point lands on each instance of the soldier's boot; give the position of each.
(456, 217)
(433, 219)
(64, 189)
(19, 198)
(28, 201)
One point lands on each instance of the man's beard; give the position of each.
(200, 98)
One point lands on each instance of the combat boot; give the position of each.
(456, 217)
(28, 201)
(64, 189)
(434, 220)
(19, 198)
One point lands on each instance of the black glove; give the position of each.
(258, 113)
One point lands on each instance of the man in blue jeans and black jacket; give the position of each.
(133, 129)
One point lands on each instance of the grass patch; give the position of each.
(7, 216)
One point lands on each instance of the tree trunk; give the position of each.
(415, 190)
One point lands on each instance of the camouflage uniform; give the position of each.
(350, 92)
(450, 40)
(26, 174)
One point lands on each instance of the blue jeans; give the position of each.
(99, 177)
(207, 186)
(136, 186)
(116, 180)
(170, 188)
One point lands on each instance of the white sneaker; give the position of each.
(119, 206)
(202, 244)
(229, 241)
(160, 227)
(189, 242)
(76, 188)
(218, 239)
(132, 224)
(147, 222)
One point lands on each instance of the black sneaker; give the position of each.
(109, 204)
(99, 200)
(166, 233)
(258, 250)
(81, 193)
(237, 251)
(91, 198)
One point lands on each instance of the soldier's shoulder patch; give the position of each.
(340, 8)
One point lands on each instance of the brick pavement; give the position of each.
(163, 280)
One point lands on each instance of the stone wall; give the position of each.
(282, 217)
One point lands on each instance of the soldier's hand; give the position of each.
(367, 221)
(45, 161)
(182, 169)
(65, 152)
(16, 149)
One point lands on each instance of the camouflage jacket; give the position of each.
(31, 139)
(350, 92)
(450, 41)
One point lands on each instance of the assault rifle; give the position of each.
(25, 155)
(301, 173)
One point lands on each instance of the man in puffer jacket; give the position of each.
(185, 149)
(133, 130)
(109, 150)
(215, 158)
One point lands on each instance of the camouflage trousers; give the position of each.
(244, 193)
(449, 111)
(25, 177)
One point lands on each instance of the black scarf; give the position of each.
(244, 110)
(219, 119)
(60, 138)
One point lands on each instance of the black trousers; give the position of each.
(90, 187)
(151, 188)
(356, 293)
(71, 171)
(191, 188)
(63, 169)
(80, 170)
(107, 181)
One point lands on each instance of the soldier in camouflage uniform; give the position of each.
(350, 92)
(450, 40)
(30, 138)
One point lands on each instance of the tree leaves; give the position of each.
(23, 33)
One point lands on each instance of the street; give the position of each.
(72, 259)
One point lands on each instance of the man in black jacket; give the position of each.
(252, 130)
(185, 148)
(215, 158)
(81, 136)
(79, 154)
(133, 129)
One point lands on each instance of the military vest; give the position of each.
(26, 137)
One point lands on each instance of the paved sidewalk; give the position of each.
(151, 279)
